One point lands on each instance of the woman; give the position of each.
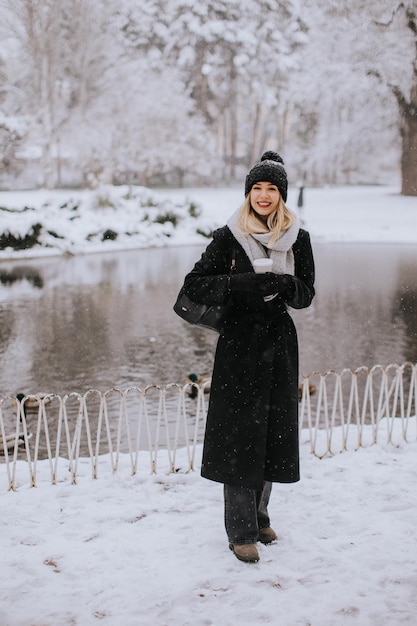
(251, 437)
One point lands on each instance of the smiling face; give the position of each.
(264, 199)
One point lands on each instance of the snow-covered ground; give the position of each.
(151, 550)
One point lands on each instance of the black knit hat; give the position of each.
(269, 169)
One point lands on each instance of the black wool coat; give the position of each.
(252, 421)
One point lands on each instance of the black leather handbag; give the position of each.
(212, 316)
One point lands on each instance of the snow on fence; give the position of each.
(137, 427)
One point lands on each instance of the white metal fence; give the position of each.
(338, 411)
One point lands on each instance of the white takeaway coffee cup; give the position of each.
(262, 265)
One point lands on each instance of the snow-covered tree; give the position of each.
(235, 58)
(153, 135)
(62, 57)
(162, 90)
(396, 68)
(355, 131)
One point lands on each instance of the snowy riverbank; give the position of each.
(119, 218)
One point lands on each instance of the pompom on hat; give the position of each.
(269, 169)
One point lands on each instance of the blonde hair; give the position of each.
(277, 222)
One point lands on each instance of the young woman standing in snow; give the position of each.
(251, 437)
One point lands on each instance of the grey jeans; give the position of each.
(245, 512)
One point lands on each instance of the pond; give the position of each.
(106, 320)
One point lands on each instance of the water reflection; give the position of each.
(98, 321)
(19, 273)
(405, 309)
(355, 318)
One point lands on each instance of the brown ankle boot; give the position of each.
(267, 535)
(247, 552)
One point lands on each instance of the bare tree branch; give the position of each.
(395, 90)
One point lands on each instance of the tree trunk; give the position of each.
(409, 151)
(257, 134)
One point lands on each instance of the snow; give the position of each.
(151, 549)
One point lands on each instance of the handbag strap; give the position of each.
(233, 261)
(232, 267)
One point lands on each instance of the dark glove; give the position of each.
(275, 283)
(248, 281)
(264, 284)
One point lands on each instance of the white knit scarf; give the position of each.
(256, 245)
